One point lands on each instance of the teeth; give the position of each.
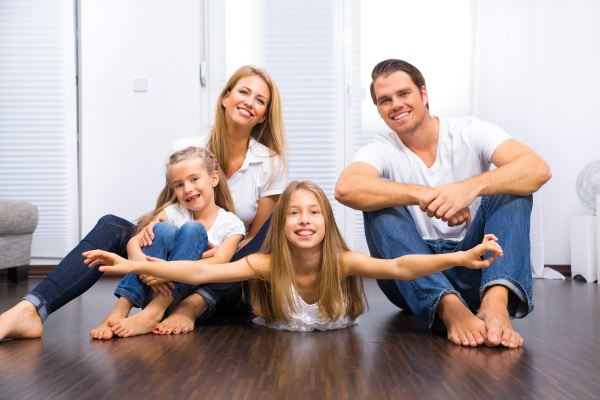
(305, 233)
(404, 114)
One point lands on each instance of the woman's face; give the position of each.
(246, 104)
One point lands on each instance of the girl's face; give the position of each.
(193, 185)
(246, 104)
(304, 223)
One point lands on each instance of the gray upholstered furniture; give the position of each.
(18, 220)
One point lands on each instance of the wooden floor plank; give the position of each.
(387, 355)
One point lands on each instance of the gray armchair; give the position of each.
(18, 220)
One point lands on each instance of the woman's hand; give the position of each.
(474, 257)
(109, 262)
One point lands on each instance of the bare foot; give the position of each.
(494, 313)
(183, 317)
(138, 324)
(464, 328)
(21, 322)
(121, 310)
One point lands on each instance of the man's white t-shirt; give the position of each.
(226, 224)
(465, 148)
(255, 179)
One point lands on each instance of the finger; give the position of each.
(171, 285)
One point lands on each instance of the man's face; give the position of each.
(401, 104)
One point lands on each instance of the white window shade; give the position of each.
(38, 117)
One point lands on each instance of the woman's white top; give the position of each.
(255, 179)
(226, 224)
(307, 319)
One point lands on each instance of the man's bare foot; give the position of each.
(464, 328)
(138, 324)
(183, 317)
(121, 310)
(494, 313)
(21, 322)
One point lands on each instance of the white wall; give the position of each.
(125, 136)
(537, 76)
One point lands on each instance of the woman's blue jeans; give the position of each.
(170, 243)
(392, 233)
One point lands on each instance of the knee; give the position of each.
(110, 219)
(164, 228)
(193, 228)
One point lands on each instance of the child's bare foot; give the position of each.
(138, 324)
(464, 328)
(494, 313)
(21, 322)
(121, 310)
(183, 317)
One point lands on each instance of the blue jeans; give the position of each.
(71, 277)
(392, 233)
(171, 244)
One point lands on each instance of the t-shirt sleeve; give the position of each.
(485, 137)
(275, 178)
(233, 226)
(374, 153)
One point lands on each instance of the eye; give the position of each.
(177, 185)
(261, 102)
(194, 179)
(294, 212)
(315, 212)
(243, 91)
(382, 101)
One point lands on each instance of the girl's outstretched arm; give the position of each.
(416, 265)
(192, 272)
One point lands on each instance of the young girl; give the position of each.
(197, 204)
(305, 277)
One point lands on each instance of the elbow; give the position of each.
(342, 192)
(544, 174)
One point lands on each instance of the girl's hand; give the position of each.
(159, 285)
(109, 262)
(474, 257)
(212, 250)
(148, 233)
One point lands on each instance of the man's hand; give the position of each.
(450, 203)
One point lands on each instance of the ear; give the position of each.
(214, 179)
(224, 100)
(263, 119)
(424, 95)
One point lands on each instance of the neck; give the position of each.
(207, 215)
(237, 141)
(306, 261)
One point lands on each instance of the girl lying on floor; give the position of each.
(305, 277)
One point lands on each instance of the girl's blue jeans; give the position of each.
(171, 244)
(392, 233)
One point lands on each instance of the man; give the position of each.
(428, 187)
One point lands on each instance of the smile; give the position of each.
(400, 116)
(193, 198)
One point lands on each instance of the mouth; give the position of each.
(193, 198)
(245, 112)
(401, 116)
(305, 232)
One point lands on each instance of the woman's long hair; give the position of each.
(270, 133)
(167, 196)
(272, 298)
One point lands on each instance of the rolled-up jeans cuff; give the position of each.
(435, 324)
(131, 296)
(209, 296)
(519, 305)
(39, 304)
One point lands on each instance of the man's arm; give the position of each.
(360, 187)
(520, 171)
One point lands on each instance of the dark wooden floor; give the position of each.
(388, 355)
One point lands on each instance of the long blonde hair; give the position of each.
(272, 298)
(167, 196)
(270, 133)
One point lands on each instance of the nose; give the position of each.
(396, 103)
(304, 218)
(187, 187)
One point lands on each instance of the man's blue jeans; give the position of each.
(392, 233)
(171, 244)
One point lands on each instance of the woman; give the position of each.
(249, 141)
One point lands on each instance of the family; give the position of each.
(446, 205)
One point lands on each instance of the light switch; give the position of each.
(140, 85)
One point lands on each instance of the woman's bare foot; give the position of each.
(121, 310)
(494, 313)
(21, 322)
(138, 324)
(183, 317)
(464, 328)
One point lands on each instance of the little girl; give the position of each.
(305, 277)
(198, 207)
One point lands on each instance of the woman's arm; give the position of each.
(265, 208)
(416, 265)
(192, 272)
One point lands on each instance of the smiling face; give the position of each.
(400, 103)
(193, 185)
(246, 104)
(304, 223)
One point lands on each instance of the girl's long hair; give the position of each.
(167, 196)
(272, 298)
(270, 133)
